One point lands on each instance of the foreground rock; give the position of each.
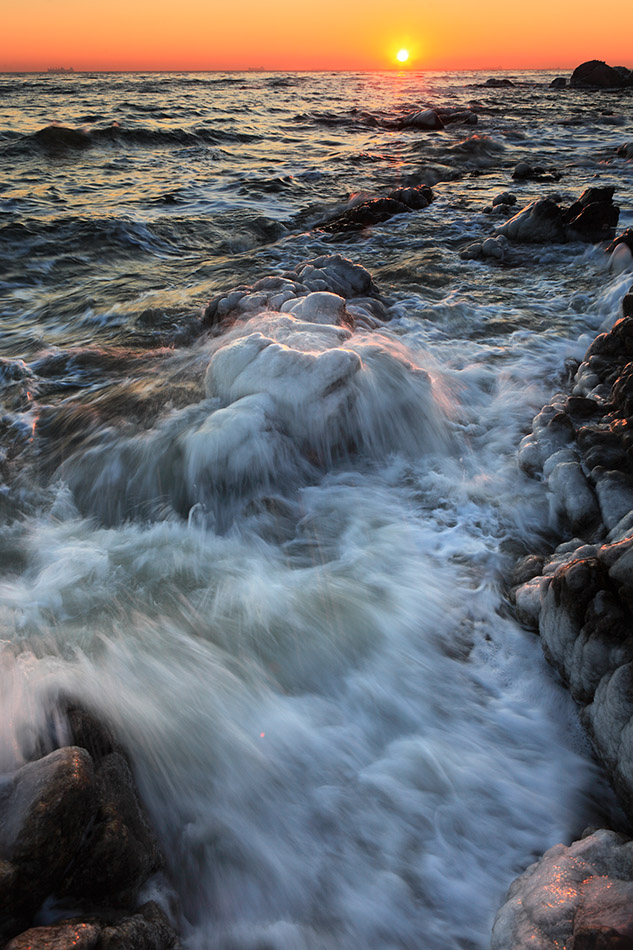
(72, 826)
(595, 74)
(148, 929)
(579, 897)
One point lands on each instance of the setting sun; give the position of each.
(402, 55)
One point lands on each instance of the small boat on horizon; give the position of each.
(60, 69)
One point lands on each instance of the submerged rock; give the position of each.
(579, 896)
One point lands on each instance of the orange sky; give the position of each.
(314, 34)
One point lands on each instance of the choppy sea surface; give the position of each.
(287, 593)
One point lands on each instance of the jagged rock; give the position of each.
(595, 74)
(577, 897)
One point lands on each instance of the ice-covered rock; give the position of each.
(331, 274)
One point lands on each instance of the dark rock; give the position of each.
(46, 807)
(618, 342)
(539, 222)
(147, 929)
(424, 119)
(625, 151)
(57, 138)
(625, 238)
(559, 83)
(68, 935)
(595, 74)
(377, 210)
(627, 305)
(119, 851)
(593, 217)
(525, 171)
(498, 83)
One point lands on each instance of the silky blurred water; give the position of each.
(274, 557)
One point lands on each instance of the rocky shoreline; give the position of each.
(580, 599)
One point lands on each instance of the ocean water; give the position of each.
(275, 556)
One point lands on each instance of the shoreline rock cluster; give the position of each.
(580, 598)
(74, 838)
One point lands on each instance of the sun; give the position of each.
(402, 55)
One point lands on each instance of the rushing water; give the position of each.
(282, 579)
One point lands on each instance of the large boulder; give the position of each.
(595, 74)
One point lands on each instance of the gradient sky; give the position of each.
(315, 34)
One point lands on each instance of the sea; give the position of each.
(274, 554)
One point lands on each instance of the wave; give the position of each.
(61, 138)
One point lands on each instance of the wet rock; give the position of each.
(505, 198)
(525, 171)
(148, 929)
(119, 851)
(579, 896)
(75, 934)
(539, 223)
(625, 151)
(593, 217)
(558, 83)
(332, 274)
(46, 807)
(425, 119)
(596, 74)
(377, 210)
(498, 83)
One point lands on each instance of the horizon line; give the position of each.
(71, 71)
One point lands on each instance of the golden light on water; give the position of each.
(402, 55)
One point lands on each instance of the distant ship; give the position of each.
(60, 69)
